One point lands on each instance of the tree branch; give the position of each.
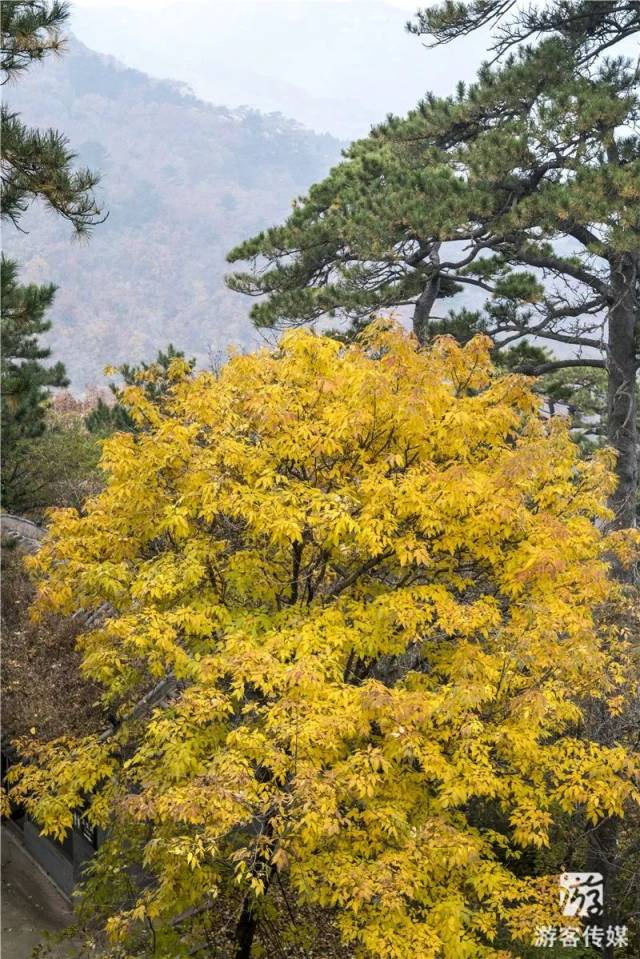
(539, 369)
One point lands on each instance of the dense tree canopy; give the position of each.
(363, 578)
(522, 188)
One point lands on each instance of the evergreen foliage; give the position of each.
(522, 187)
(588, 27)
(30, 30)
(25, 380)
(155, 379)
(39, 164)
(35, 165)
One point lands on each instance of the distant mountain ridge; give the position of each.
(334, 66)
(183, 181)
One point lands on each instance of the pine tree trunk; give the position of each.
(603, 854)
(622, 368)
(422, 310)
(622, 365)
(429, 295)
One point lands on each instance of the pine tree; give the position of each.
(35, 165)
(24, 380)
(30, 30)
(522, 187)
(591, 28)
(39, 163)
(155, 379)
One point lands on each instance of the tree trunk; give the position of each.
(622, 365)
(245, 930)
(429, 295)
(603, 858)
(247, 923)
(422, 309)
(603, 849)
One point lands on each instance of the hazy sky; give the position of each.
(321, 62)
(409, 5)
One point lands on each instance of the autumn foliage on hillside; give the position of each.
(372, 572)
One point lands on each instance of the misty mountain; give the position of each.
(183, 181)
(334, 66)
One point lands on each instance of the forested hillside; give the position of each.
(182, 181)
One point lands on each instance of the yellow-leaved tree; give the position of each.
(366, 576)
